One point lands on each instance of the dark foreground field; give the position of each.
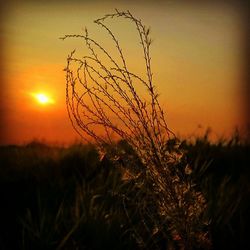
(69, 198)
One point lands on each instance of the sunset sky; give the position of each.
(196, 55)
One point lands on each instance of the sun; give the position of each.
(43, 98)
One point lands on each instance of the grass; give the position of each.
(71, 198)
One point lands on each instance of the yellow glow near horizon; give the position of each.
(43, 98)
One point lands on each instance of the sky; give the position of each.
(197, 62)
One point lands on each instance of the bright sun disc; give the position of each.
(43, 98)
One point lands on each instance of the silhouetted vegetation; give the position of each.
(73, 198)
(106, 99)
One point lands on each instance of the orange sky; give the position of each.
(196, 60)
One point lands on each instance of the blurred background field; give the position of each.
(72, 198)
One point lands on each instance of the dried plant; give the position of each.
(103, 101)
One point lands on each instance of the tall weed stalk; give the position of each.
(104, 104)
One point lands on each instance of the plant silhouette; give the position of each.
(104, 105)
